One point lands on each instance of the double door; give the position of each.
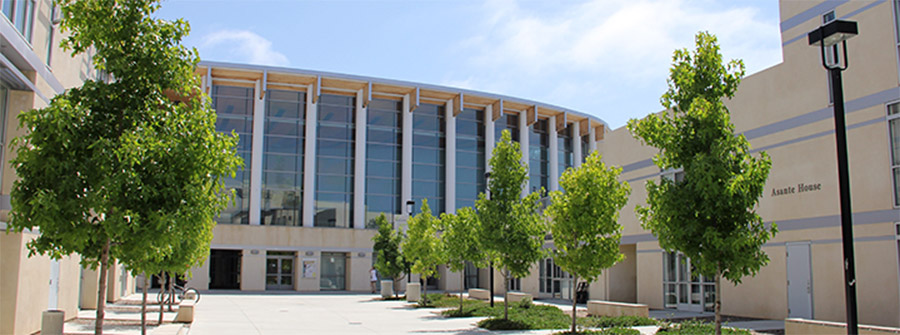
(279, 270)
(684, 288)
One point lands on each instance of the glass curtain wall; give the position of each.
(507, 122)
(469, 157)
(538, 161)
(585, 147)
(334, 161)
(21, 14)
(234, 113)
(384, 137)
(282, 189)
(428, 157)
(564, 150)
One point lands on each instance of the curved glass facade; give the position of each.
(383, 140)
(538, 157)
(334, 161)
(234, 113)
(428, 157)
(469, 157)
(282, 178)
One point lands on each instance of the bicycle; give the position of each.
(180, 294)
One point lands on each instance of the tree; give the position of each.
(710, 214)
(512, 227)
(460, 242)
(389, 261)
(584, 220)
(422, 247)
(118, 170)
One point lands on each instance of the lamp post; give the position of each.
(828, 36)
(410, 205)
(487, 192)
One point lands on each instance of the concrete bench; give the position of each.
(518, 296)
(609, 308)
(479, 293)
(413, 292)
(185, 312)
(794, 326)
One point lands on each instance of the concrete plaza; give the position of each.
(331, 313)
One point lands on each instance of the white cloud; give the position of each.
(605, 49)
(243, 46)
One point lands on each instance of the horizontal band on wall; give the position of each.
(828, 241)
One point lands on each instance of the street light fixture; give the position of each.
(487, 192)
(410, 205)
(829, 35)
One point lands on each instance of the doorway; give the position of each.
(799, 280)
(279, 270)
(53, 296)
(684, 288)
(225, 269)
(334, 271)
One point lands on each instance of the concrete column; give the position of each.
(253, 270)
(256, 155)
(309, 160)
(358, 265)
(450, 159)
(200, 275)
(523, 147)
(406, 158)
(554, 155)
(312, 259)
(359, 166)
(90, 280)
(576, 143)
(488, 136)
(592, 144)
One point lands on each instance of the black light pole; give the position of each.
(829, 35)
(487, 191)
(410, 205)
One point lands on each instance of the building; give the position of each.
(785, 111)
(326, 153)
(33, 69)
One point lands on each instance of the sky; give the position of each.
(608, 58)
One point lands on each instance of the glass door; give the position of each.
(334, 271)
(279, 270)
(683, 288)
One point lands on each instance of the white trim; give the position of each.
(488, 138)
(359, 165)
(576, 144)
(554, 155)
(450, 158)
(256, 154)
(309, 160)
(524, 131)
(406, 156)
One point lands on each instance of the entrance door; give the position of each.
(683, 288)
(334, 271)
(799, 280)
(225, 269)
(53, 297)
(279, 270)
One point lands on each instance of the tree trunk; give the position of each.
(719, 302)
(171, 291)
(162, 302)
(144, 304)
(425, 292)
(462, 276)
(505, 293)
(574, 301)
(101, 290)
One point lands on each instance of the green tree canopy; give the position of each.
(512, 227)
(422, 247)
(389, 260)
(584, 220)
(709, 215)
(115, 169)
(460, 241)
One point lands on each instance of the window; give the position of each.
(538, 161)
(515, 284)
(234, 112)
(469, 157)
(564, 150)
(334, 161)
(21, 14)
(585, 147)
(550, 277)
(507, 122)
(383, 136)
(893, 116)
(282, 179)
(683, 288)
(428, 157)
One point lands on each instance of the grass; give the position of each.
(697, 328)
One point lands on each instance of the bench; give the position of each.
(609, 308)
(479, 293)
(185, 312)
(518, 296)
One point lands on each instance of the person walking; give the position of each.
(373, 278)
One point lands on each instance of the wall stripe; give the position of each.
(828, 241)
(263, 247)
(819, 134)
(851, 106)
(860, 218)
(849, 15)
(813, 12)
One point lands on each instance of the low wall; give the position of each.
(609, 308)
(479, 293)
(804, 326)
(518, 296)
